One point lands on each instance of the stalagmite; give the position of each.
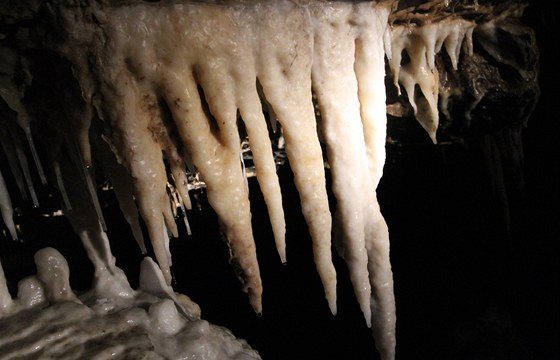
(47, 320)
(6, 301)
(53, 271)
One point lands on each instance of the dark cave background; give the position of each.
(465, 289)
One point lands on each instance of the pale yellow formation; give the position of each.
(284, 70)
(336, 87)
(348, 80)
(47, 320)
(170, 83)
(421, 43)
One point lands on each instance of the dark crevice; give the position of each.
(268, 110)
(212, 122)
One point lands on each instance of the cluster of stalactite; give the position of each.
(163, 97)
